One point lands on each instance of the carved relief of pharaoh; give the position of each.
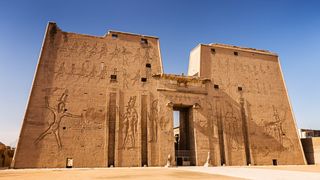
(147, 56)
(125, 56)
(153, 119)
(59, 112)
(233, 127)
(115, 54)
(92, 51)
(60, 72)
(130, 123)
(276, 130)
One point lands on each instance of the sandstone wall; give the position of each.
(104, 101)
(86, 100)
(311, 147)
(258, 124)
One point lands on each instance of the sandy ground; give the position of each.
(159, 173)
(308, 168)
(262, 172)
(108, 173)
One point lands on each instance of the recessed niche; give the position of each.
(216, 86)
(114, 36)
(274, 162)
(113, 77)
(148, 65)
(144, 41)
(143, 79)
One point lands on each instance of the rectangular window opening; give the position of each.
(235, 53)
(239, 88)
(213, 51)
(144, 41)
(144, 79)
(216, 86)
(148, 65)
(113, 77)
(114, 36)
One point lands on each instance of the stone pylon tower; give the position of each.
(105, 101)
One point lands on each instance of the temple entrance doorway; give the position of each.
(184, 136)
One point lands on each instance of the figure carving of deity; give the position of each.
(153, 119)
(130, 122)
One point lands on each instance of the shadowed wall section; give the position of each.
(111, 128)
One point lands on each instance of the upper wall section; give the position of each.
(200, 57)
(194, 61)
(132, 50)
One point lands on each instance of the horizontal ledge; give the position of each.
(183, 91)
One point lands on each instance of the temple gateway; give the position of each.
(106, 101)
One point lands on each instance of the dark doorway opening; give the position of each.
(179, 161)
(274, 162)
(184, 137)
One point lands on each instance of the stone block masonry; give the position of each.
(105, 101)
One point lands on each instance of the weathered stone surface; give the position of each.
(6, 155)
(311, 147)
(104, 101)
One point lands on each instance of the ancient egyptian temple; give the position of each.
(105, 101)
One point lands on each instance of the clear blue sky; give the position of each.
(289, 28)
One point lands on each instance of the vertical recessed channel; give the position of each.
(245, 132)
(112, 126)
(144, 130)
(221, 140)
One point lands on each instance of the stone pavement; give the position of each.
(255, 173)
